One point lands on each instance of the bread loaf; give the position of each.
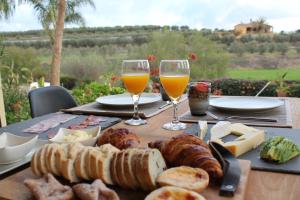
(121, 138)
(185, 149)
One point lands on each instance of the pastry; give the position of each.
(189, 150)
(121, 138)
(48, 188)
(173, 193)
(195, 179)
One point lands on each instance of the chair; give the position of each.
(50, 99)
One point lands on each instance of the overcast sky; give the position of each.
(281, 14)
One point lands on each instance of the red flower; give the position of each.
(114, 78)
(154, 72)
(151, 58)
(217, 92)
(192, 56)
(202, 87)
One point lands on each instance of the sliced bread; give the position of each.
(33, 164)
(128, 168)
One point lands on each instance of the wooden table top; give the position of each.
(261, 185)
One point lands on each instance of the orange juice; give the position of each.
(174, 85)
(135, 83)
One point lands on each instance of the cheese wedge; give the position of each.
(202, 129)
(249, 138)
(221, 129)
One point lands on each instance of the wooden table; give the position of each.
(261, 185)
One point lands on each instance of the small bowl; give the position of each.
(13, 148)
(93, 132)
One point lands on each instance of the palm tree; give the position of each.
(6, 8)
(52, 14)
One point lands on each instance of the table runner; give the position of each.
(282, 114)
(145, 111)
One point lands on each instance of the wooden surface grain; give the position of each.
(261, 185)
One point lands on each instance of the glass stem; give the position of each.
(175, 117)
(135, 98)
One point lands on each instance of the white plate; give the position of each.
(126, 100)
(245, 103)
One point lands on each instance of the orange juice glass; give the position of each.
(135, 83)
(174, 77)
(135, 76)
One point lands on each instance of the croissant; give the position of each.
(121, 138)
(189, 150)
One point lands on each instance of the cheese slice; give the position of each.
(221, 129)
(202, 129)
(245, 143)
(249, 138)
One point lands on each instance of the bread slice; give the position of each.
(174, 193)
(113, 170)
(128, 168)
(138, 168)
(41, 164)
(153, 165)
(120, 170)
(60, 155)
(80, 164)
(104, 162)
(33, 164)
(195, 179)
(52, 165)
(94, 156)
(67, 165)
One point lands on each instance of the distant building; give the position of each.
(254, 27)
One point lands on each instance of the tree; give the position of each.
(48, 13)
(6, 8)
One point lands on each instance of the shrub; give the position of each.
(87, 93)
(68, 82)
(237, 48)
(294, 90)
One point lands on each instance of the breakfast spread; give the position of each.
(121, 138)
(249, 138)
(279, 149)
(174, 193)
(95, 191)
(189, 150)
(195, 179)
(48, 187)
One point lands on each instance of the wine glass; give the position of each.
(174, 77)
(135, 76)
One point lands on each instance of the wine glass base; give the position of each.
(135, 122)
(174, 126)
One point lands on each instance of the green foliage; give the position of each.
(87, 93)
(68, 82)
(282, 48)
(237, 48)
(211, 60)
(294, 90)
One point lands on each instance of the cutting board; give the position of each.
(9, 185)
(292, 166)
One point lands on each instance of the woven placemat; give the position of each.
(145, 111)
(282, 114)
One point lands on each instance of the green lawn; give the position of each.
(263, 74)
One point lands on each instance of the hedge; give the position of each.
(237, 87)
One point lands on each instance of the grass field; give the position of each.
(263, 74)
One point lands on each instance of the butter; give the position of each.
(249, 138)
(77, 136)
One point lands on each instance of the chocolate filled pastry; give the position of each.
(48, 188)
(189, 150)
(121, 138)
(95, 191)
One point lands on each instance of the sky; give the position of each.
(222, 14)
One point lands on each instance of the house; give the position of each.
(254, 27)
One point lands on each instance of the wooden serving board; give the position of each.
(20, 192)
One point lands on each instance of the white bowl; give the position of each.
(13, 148)
(92, 132)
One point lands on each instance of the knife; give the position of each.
(231, 169)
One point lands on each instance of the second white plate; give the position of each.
(126, 100)
(245, 103)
